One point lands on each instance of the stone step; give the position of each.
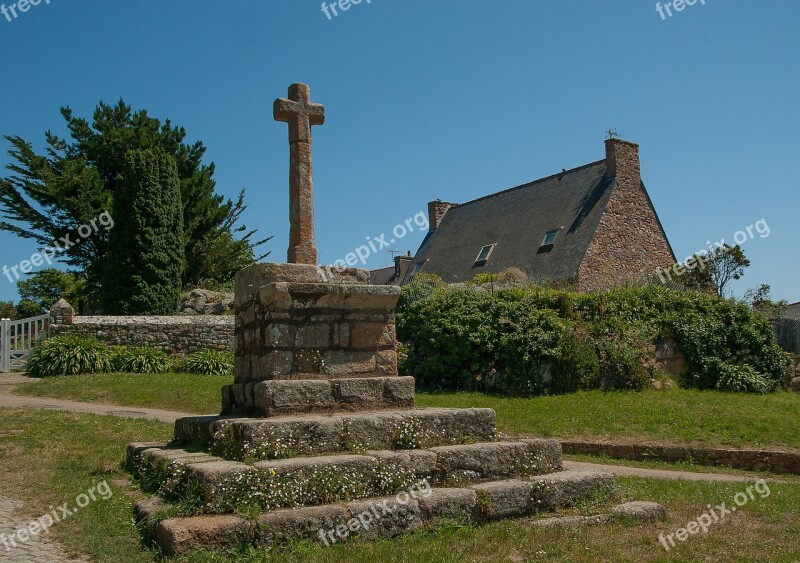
(284, 397)
(280, 437)
(418, 506)
(225, 485)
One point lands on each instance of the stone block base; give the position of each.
(325, 396)
(309, 435)
(369, 518)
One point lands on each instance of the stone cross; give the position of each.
(300, 114)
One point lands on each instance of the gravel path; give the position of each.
(37, 549)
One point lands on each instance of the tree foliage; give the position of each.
(145, 255)
(713, 271)
(48, 195)
(49, 285)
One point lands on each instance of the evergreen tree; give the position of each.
(49, 194)
(146, 252)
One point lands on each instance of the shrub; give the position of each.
(537, 340)
(141, 360)
(210, 362)
(627, 358)
(513, 276)
(740, 379)
(68, 355)
(577, 366)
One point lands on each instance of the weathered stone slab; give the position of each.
(212, 474)
(460, 505)
(252, 278)
(390, 517)
(278, 397)
(504, 499)
(640, 510)
(341, 432)
(178, 536)
(565, 488)
(500, 459)
(284, 525)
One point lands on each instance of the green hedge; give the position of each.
(74, 355)
(537, 340)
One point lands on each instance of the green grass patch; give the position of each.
(676, 416)
(48, 458)
(679, 416)
(181, 392)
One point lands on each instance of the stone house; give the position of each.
(594, 226)
(793, 311)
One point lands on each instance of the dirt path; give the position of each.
(10, 380)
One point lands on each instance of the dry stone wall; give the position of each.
(175, 334)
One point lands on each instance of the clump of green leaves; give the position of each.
(68, 355)
(141, 360)
(210, 362)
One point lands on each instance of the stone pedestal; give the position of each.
(313, 340)
(318, 425)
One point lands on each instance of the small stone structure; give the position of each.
(325, 337)
(172, 334)
(774, 461)
(318, 426)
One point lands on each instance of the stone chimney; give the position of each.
(436, 212)
(622, 160)
(402, 265)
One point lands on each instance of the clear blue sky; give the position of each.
(442, 99)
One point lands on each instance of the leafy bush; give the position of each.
(210, 362)
(541, 340)
(740, 379)
(68, 355)
(627, 358)
(140, 360)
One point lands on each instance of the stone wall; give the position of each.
(749, 460)
(670, 359)
(629, 244)
(177, 334)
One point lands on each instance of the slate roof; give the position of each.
(793, 311)
(516, 220)
(382, 276)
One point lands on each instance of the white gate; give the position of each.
(17, 339)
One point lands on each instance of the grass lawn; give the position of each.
(180, 392)
(48, 458)
(677, 416)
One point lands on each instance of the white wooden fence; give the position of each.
(17, 339)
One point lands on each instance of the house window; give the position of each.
(484, 254)
(550, 238)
